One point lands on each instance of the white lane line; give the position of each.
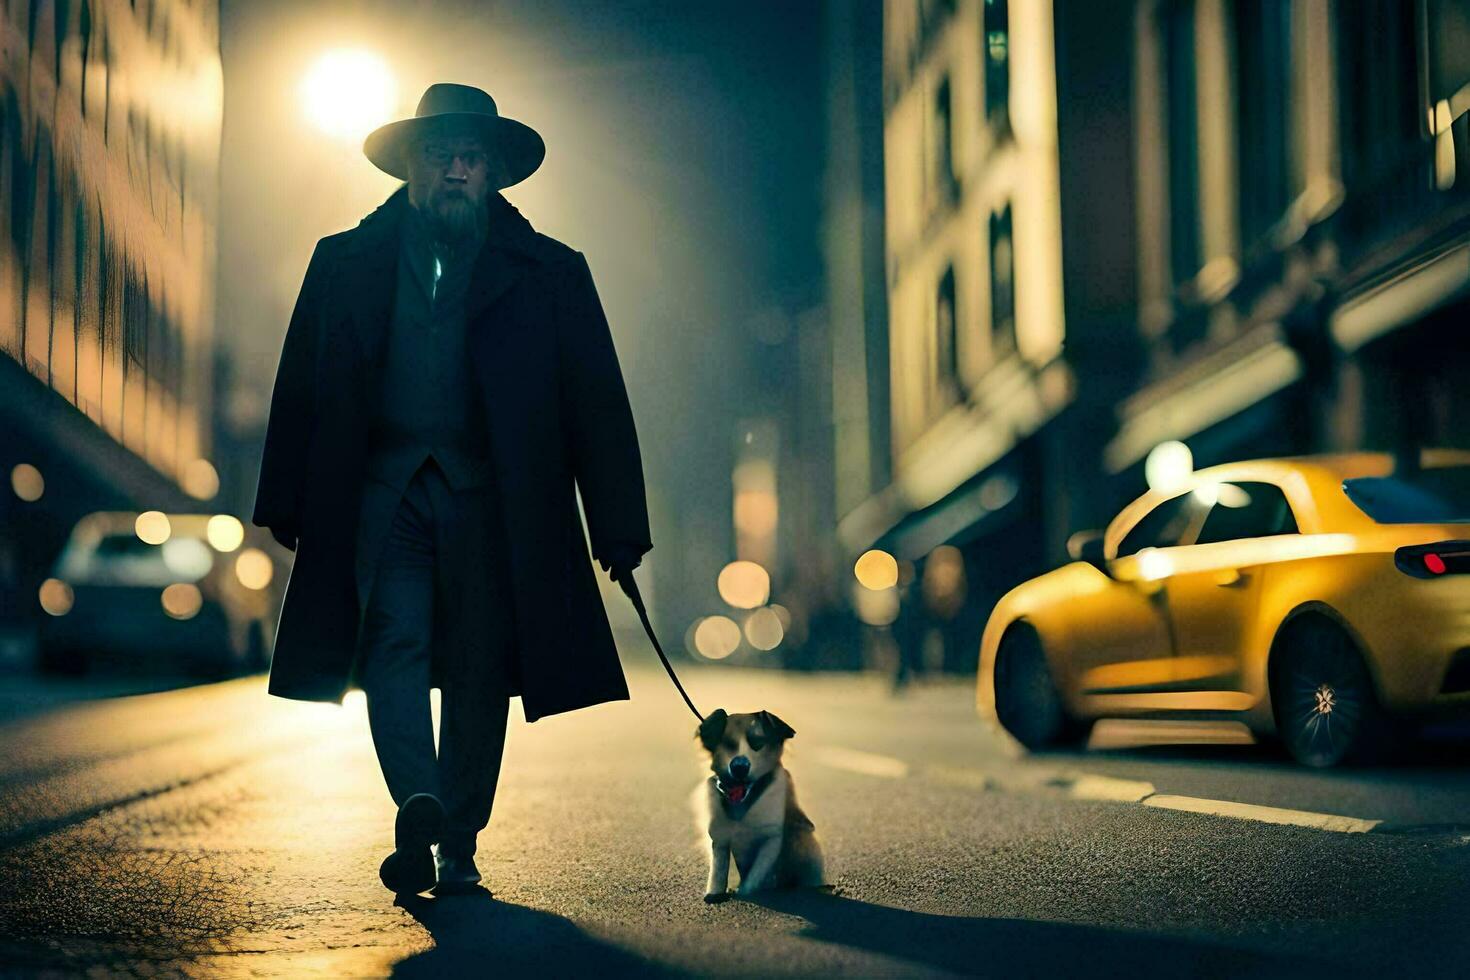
(1263, 814)
(1090, 786)
(865, 763)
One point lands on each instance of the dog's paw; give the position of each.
(714, 898)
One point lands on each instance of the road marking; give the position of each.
(1090, 787)
(1263, 814)
(865, 763)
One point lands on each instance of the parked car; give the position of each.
(169, 593)
(1322, 600)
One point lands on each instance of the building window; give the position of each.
(1447, 31)
(135, 314)
(942, 183)
(1380, 118)
(1183, 139)
(946, 334)
(996, 25)
(1263, 107)
(1002, 284)
(933, 15)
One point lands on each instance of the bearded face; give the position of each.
(450, 182)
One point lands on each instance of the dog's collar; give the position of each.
(736, 810)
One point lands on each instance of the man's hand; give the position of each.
(620, 560)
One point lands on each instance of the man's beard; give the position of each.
(455, 220)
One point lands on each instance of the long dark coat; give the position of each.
(557, 412)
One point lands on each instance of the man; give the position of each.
(446, 376)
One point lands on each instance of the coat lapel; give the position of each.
(508, 252)
(510, 248)
(373, 273)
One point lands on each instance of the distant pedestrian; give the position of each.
(447, 375)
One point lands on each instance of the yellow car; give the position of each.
(1322, 600)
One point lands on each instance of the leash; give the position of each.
(630, 589)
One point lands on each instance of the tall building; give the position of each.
(1303, 229)
(1113, 224)
(110, 115)
(977, 370)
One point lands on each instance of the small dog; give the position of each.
(749, 808)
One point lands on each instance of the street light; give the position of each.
(348, 92)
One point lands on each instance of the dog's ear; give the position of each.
(775, 727)
(712, 729)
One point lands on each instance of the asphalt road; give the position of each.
(215, 831)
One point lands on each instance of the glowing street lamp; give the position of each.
(348, 92)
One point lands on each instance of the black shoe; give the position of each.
(457, 874)
(410, 868)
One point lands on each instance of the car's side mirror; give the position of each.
(1088, 546)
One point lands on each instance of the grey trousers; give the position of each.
(420, 627)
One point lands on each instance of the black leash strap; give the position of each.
(630, 588)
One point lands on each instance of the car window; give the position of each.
(1168, 524)
(1434, 496)
(1246, 510)
(125, 546)
(125, 559)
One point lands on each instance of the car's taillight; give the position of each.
(1434, 560)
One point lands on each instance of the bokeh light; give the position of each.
(254, 568)
(755, 511)
(1168, 465)
(944, 581)
(188, 558)
(689, 635)
(716, 637)
(876, 570)
(763, 629)
(27, 482)
(225, 533)
(152, 527)
(56, 597)
(348, 92)
(876, 607)
(182, 600)
(744, 585)
(200, 480)
(1154, 565)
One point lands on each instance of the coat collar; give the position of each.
(511, 247)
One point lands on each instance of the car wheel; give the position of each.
(1322, 695)
(1027, 700)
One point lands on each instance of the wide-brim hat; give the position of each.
(445, 104)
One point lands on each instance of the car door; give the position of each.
(1121, 631)
(1214, 592)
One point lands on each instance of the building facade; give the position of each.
(976, 371)
(110, 115)
(1302, 227)
(1110, 225)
